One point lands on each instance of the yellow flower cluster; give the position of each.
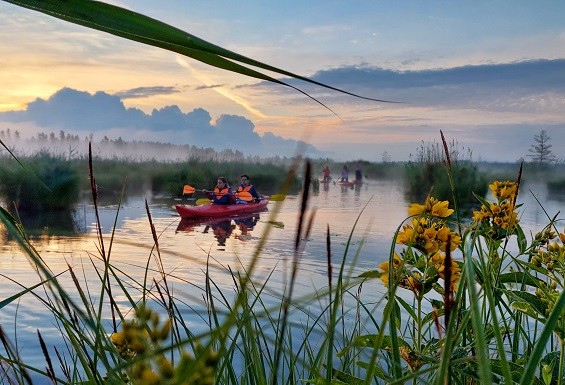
(433, 207)
(549, 254)
(499, 218)
(428, 233)
(143, 336)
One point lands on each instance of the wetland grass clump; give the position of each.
(427, 171)
(44, 183)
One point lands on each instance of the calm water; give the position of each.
(378, 207)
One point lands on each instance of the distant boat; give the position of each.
(345, 183)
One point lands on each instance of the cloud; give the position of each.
(145, 92)
(78, 112)
(208, 87)
(495, 110)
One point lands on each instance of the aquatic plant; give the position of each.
(426, 171)
(44, 183)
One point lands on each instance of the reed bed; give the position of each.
(467, 300)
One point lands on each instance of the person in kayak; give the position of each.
(222, 194)
(246, 192)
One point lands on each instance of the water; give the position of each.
(361, 223)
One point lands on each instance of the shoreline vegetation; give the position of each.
(55, 177)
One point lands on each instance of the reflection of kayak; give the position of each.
(211, 210)
(189, 223)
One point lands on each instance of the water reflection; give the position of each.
(53, 222)
(222, 228)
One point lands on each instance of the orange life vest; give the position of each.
(220, 193)
(244, 197)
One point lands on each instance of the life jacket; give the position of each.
(246, 196)
(221, 193)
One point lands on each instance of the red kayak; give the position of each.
(211, 210)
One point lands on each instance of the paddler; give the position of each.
(222, 194)
(245, 191)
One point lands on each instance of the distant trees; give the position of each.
(540, 151)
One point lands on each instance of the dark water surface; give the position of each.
(361, 221)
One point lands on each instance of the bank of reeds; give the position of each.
(45, 182)
(426, 173)
(39, 183)
(467, 301)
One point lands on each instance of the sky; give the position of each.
(489, 75)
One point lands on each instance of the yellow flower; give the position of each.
(479, 216)
(412, 282)
(149, 377)
(118, 338)
(438, 262)
(440, 209)
(433, 207)
(416, 209)
(385, 267)
(443, 234)
(503, 190)
(405, 237)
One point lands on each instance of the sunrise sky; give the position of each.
(488, 74)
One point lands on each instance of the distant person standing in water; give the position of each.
(327, 174)
(358, 172)
(345, 173)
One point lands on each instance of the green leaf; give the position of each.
(16, 296)
(376, 370)
(516, 371)
(483, 201)
(371, 274)
(527, 308)
(346, 378)
(370, 340)
(521, 239)
(520, 278)
(532, 301)
(409, 308)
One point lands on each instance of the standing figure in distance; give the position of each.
(345, 173)
(327, 174)
(358, 173)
